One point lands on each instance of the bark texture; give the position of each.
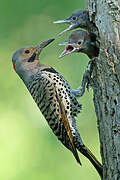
(106, 80)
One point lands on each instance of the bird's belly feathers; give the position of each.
(43, 90)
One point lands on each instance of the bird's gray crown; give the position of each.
(76, 35)
(17, 53)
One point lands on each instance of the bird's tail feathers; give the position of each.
(98, 166)
(68, 129)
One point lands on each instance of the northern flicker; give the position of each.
(80, 41)
(54, 98)
(79, 19)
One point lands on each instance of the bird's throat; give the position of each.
(32, 58)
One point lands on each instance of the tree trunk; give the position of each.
(106, 80)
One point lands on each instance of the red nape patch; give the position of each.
(14, 66)
(87, 35)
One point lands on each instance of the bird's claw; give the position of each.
(79, 91)
(86, 81)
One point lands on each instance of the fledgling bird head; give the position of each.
(80, 41)
(26, 59)
(79, 18)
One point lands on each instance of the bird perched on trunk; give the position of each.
(54, 98)
(79, 19)
(80, 41)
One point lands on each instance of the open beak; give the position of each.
(70, 48)
(66, 21)
(72, 26)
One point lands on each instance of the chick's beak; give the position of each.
(71, 27)
(66, 21)
(63, 21)
(68, 49)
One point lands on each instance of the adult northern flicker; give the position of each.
(79, 19)
(55, 99)
(80, 41)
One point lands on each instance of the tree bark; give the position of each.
(106, 79)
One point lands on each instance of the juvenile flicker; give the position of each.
(79, 19)
(54, 98)
(80, 41)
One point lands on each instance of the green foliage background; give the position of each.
(28, 148)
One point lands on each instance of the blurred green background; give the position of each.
(28, 148)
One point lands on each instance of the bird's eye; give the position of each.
(79, 42)
(74, 18)
(27, 51)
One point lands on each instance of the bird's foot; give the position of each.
(88, 74)
(79, 91)
(86, 81)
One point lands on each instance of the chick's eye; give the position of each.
(74, 18)
(27, 51)
(79, 42)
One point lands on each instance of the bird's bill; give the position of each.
(64, 44)
(71, 27)
(39, 48)
(68, 50)
(66, 21)
(62, 21)
(45, 43)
